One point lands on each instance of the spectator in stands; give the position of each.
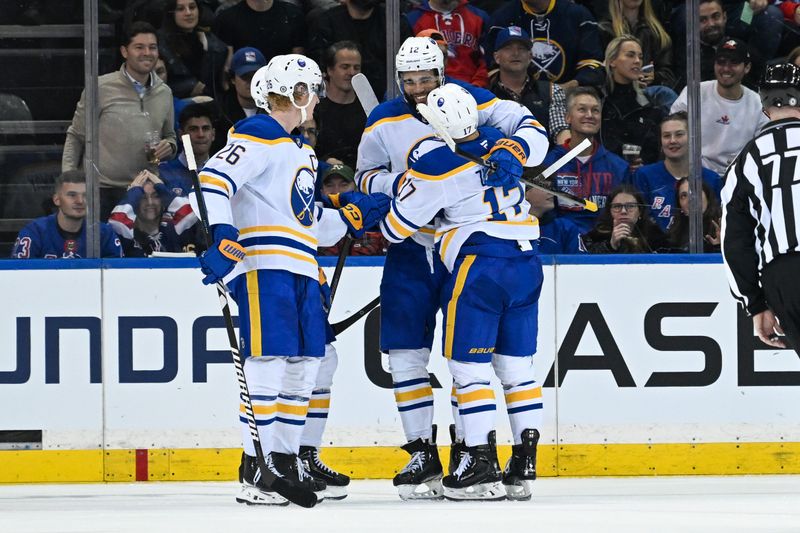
(62, 235)
(274, 27)
(514, 80)
(340, 117)
(629, 117)
(624, 226)
(730, 113)
(678, 234)
(339, 179)
(363, 22)
(713, 32)
(238, 103)
(596, 171)
(195, 58)
(196, 120)
(440, 42)
(463, 27)
(557, 235)
(658, 181)
(135, 108)
(566, 42)
(794, 57)
(637, 18)
(791, 22)
(151, 218)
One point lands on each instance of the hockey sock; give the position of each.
(476, 407)
(317, 418)
(412, 391)
(524, 405)
(263, 380)
(456, 417)
(292, 404)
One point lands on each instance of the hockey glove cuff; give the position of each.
(362, 211)
(218, 261)
(509, 155)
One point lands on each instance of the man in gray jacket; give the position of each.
(136, 120)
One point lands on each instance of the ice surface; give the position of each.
(586, 505)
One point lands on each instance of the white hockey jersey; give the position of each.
(394, 139)
(447, 186)
(262, 182)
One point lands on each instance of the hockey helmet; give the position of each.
(456, 109)
(257, 89)
(780, 86)
(289, 75)
(419, 54)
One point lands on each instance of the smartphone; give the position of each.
(647, 69)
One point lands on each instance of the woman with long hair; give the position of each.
(637, 18)
(195, 57)
(624, 226)
(678, 234)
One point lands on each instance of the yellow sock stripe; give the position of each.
(261, 409)
(413, 395)
(522, 395)
(450, 327)
(320, 404)
(254, 308)
(299, 410)
(476, 395)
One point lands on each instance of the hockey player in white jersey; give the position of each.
(394, 139)
(486, 240)
(266, 227)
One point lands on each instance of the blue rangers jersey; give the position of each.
(44, 239)
(395, 138)
(262, 182)
(442, 180)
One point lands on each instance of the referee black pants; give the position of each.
(781, 282)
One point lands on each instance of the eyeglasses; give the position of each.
(617, 208)
(425, 80)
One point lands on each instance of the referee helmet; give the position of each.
(780, 86)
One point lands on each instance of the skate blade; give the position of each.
(521, 491)
(481, 491)
(430, 490)
(335, 493)
(249, 495)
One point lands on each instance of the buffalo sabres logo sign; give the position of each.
(548, 59)
(303, 196)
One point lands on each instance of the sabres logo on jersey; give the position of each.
(422, 147)
(303, 196)
(548, 59)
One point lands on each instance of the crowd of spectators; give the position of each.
(610, 71)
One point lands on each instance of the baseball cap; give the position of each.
(734, 50)
(510, 34)
(433, 34)
(340, 170)
(247, 60)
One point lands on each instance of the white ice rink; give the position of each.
(563, 505)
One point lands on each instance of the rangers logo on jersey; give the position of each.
(303, 196)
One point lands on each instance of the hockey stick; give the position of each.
(537, 182)
(337, 271)
(339, 327)
(296, 495)
(364, 93)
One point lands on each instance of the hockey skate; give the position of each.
(520, 469)
(336, 482)
(253, 490)
(457, 450)
(478, 475)
(291, 467)
(421, 479)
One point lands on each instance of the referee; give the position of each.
(761, 214)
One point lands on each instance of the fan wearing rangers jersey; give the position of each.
(394, 139)
(63, 234)
(266, 228)
(484, 236)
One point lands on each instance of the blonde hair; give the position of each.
(278, 102)
(612, 52)
(620, 26)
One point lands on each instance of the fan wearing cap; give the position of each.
(730, 113)
(238, 103)
(462, 27)
(513, 80)
(761, 218)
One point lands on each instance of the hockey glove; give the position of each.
(360, 211)
(218, 261)
(509, 155)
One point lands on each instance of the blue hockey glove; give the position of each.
(360, 211)
(509, 156)
(222, 255)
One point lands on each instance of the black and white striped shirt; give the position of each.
(761, 208)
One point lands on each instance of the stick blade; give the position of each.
(364, 93)
(296, 495)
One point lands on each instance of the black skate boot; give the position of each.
(291, 467)
(421, 479)
(336, 482)
(520, 470)
(457, 450)
(253, 490)
(478, 475)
